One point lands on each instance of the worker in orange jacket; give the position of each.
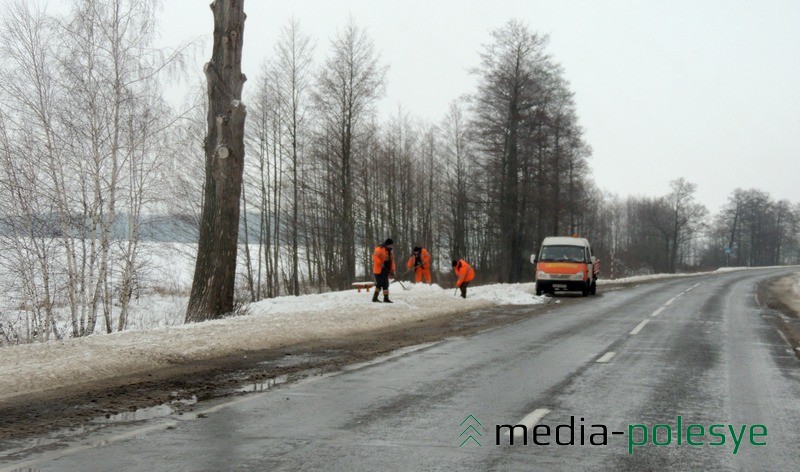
(465, 274)
(420, 261)
(383, 267)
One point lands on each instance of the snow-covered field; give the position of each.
(268, 324)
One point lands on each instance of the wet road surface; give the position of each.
(630, 361)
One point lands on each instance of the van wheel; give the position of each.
(586, 290)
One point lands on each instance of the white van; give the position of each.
(566, 263)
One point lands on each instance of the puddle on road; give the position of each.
(149, 413)
(287, 361)
(263, 385)
(19, 449)
(293, 360)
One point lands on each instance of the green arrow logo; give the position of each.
(471, 429)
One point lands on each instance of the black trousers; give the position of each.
(382, 281)
(464, 289)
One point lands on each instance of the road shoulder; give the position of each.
(781, 294)
(185, 385)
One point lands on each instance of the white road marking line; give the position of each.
(531, 419)
(669, 302)
(607, 356)
(658, 312)
(756, 296)
(640, 326)
(783, 336)
(691, 288)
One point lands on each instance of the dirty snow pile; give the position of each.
(269, 324)
(644, 278)
(794, 299)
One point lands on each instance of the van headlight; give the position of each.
(576, 276)
(540, 275)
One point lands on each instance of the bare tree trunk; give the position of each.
(263, 230)
(295, 282)
(277, 178)
(248, 263)
(215, 270)
(293, 78)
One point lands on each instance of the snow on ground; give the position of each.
(156, 338)
(269, 324)
(156, 311)
(645, 278)
(793, 300)
(796, 288)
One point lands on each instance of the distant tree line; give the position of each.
(754, 230)
(673, 233)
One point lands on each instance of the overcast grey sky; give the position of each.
(706, 90)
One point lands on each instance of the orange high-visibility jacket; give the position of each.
(380, 256)
(424, 269)
(464, 272)
(425, 256)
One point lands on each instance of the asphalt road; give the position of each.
(698, 348)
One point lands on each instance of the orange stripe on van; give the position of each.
(561, 267)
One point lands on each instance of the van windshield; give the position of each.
(562, 254)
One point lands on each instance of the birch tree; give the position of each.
(28, 252)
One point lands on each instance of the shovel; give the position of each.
(397, 279)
